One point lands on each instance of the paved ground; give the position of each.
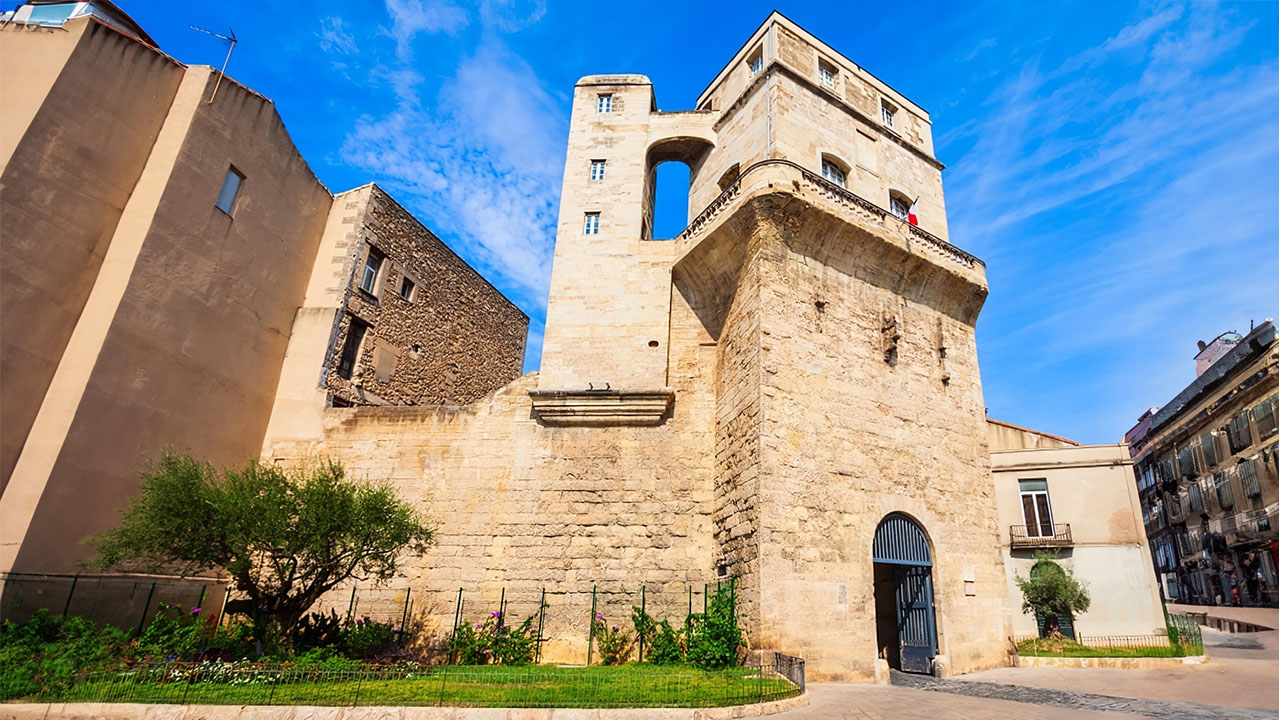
(1238, 683)
(1266, 617)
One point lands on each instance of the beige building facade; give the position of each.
(786, 395)
(162, 237)
(1079, 503)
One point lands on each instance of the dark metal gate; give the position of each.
(899, 541)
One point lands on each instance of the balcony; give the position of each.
(1022, 536)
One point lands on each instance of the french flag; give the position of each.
(911, 212)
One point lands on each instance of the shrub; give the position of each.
(614, 642)
(666, 646)
(713, 637)
(364, 637)
(317, 630)
(494, 641)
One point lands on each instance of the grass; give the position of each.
(635, 685)
(1062, 647)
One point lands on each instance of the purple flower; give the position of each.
(195, 611)
(600, 618)
(477, 626)
(497, 614)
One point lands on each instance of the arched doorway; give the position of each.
(670, 165)
(905, 629)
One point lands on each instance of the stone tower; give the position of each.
(833, 335)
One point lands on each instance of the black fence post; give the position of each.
(143, 622)
(70, 592)
(222, 611)
(591, 629)
(200, 601)
(542, 613)
(502, 607)
(457, 613)
(644, 617)
(351, 606)
(404, 617)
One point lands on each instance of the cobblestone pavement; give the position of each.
(858, 701)
(1266, 617)
(1141, 707)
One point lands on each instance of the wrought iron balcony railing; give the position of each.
(1023, 536)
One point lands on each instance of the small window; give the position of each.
(230, 188)
(899, 206)
(833, 172)
(1209, 448)
(1194, 499)
(597, 169)
(372, 266)
(591, 225)
(1035, 507)
(1187, 462)
(1238, 435)
(1264, 417)
(604, 103)
(756, 62)
(1249, 478)
(1222, 484)
(407, 287)
(827, 74)
(351, 348)
(886, 114)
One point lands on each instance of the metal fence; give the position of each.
(118, 600)
(519, 687)
(1182, 639)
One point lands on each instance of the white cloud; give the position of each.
(481, 162)
(410, 17)
(335, 37)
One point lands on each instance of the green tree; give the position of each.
(1052, 590)
(285, 537)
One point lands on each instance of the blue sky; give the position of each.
(1114, 164)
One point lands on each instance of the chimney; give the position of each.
(1200, 344)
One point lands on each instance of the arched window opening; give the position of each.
(835, 170)
(728, 177)
(671, 165)
(670, 199)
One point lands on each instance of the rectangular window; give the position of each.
(886, 115)
(351, 348)
(230, 188)
(1187, 461)
(1209, 448)
(1222, 484)
(832, 172)
(1264, 416)
(372, 266)
(1035, 507)
(597, 169)
(604, 103)
(591, 225)
(827, 74)
(1238, 435)
(1195, 500)
(407, 287)
(1249, 478)
(756, 62)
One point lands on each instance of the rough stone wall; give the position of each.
(456, 339)
(524, 507)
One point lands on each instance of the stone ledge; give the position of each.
(1111, 663)
(602, 407)
(120, 711)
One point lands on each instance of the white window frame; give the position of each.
(604, 103)
(413, 288)
(834, 173)
(591, 223)
(756, 62)
(896, 203)
(1040, 505)
(886, 114)
(369, 283)
(827, 74)
(597, 169)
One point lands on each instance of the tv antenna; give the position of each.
(221, 73)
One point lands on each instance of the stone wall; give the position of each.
(453, 340)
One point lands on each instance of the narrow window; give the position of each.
(1209, 448)
(351, 348)
(592, 224)
(833, 172)
(899, 206)
(1035, 507)
(827, 74)
(756, 62)
(604, 103)
(1187, 462)
(1194, 499)
(372, 265)
(230, 188)
(886, 114)
(1222, 484)
(1264, 417)
(407, 287)
(597, 169)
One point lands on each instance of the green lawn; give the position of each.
(1046, 647)
(483, 686)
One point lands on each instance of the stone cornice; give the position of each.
(602, 407)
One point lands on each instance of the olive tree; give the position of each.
(284, 536)
(1052, 590)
